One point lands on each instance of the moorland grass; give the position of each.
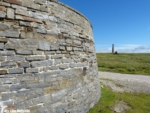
(138, 102)
(124, 63)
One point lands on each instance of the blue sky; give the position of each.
(125, 23)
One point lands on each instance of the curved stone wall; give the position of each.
(47, 58)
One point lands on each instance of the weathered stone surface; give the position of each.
(64, 66)
(47, 58)
(7, 53)
(69, 48)
(2, 8)
(40, 1)
(16, 71)
(4, 88)
(1, 45)
(19, 17)
(32, 70)
(31, 4)
(16, 58)
(58, 95)
(2, 14)
(4, 26)
(2, 58)
(52, 18)
(16, 87)
(18, 7)
(10, 33)
(22, 12)
(57, 56)
(18, 2)
(42, 63)
(24, 52)
(4, 4)
(54, 46)
(69, 41)
(3, 71)
(8, 64)
(24, 64)
(10, 13)
(44, 45)
(35, 58)
(42, 99)
(62, 48)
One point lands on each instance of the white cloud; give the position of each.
(129, 48)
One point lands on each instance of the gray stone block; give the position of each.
(69, 41)
(2, 58)
(2, 14)
(42, 63)
(24, 64)
(8, 64)
(10, 13)
(58, 95)
(43, 31)
(4, 88)
(38, 52)
(24, 52)
(66, 60)
(18, 7)
(62, 48)
(69, 48)
(36, 58)
(1, 45)
(39, 85)
(4, 26)
(54, 46)
(4, 4)
(57, 61)
(10, 33)
(51, 68)
(7, 96)
(61, 41)
(63, 66)
(72, 65)
(77, 42)
(44, 8)
(57, 56)
(53, 19)
(32, 70)
(16, 87)
(16, 71)
(16, 58)
(40, 1)
(7, 53)
(50, 52)
(44, 45)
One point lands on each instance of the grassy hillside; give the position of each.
(124, 63)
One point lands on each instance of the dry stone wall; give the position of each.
(47, 58)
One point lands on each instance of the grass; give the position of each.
(124, 63)
(139, 102)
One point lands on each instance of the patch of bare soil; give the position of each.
(121, 107)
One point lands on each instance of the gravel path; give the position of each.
(126, 82)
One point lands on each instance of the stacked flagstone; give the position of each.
(47, 58)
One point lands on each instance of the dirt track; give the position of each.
(126, 82)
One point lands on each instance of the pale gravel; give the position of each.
(126, 82)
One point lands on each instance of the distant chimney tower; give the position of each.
(112, 48)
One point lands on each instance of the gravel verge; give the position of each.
(126, 82)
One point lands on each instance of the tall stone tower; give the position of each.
(47, 58)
